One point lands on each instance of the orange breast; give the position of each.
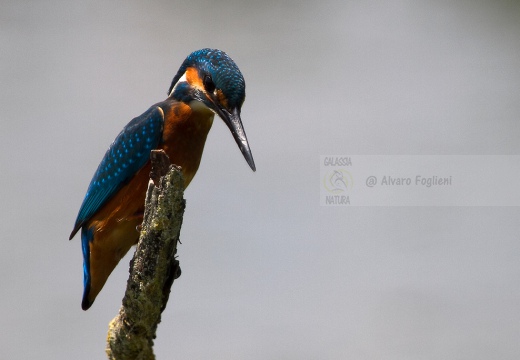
(185, 131)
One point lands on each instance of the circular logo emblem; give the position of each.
(338, 181)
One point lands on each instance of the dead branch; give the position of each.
(153, 267)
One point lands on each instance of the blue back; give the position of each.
(124, 158)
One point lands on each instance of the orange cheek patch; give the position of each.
(222, 98)
(192, 76)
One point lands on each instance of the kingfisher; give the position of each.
(207, 83)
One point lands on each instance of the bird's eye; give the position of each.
(209, 85)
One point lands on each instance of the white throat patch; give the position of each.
(182, 79)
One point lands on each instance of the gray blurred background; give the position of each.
(267, 272)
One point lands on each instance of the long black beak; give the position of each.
(234, 123)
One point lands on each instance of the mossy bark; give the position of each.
(153, 267)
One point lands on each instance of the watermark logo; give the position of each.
(336, 181)
(419, 180)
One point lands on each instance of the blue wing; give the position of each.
(128, 153)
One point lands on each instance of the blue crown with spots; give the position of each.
(225, 73)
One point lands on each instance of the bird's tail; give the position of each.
(87, 236)
(101, 254)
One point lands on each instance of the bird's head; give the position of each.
(210, 77)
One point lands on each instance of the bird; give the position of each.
(208, 82)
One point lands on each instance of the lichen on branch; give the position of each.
(153, 267)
